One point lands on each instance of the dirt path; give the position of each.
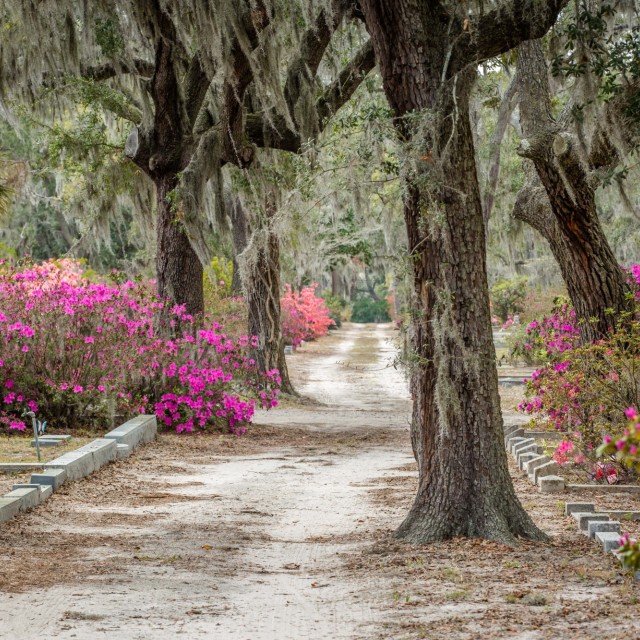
(285, 534)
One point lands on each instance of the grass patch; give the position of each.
(19, 449)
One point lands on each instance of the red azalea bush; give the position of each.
(81, 353)
(304, 315)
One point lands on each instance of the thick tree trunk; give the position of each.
(559, 201)
(178, 268)
(457, 431)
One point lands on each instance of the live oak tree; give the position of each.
(179, 73)
(568, 157)
(202, 83)
(427, 52)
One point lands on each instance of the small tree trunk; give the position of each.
(178, 269)
(335, 282)
(240, 231)
(464, 487)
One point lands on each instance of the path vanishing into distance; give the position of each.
(286, 533)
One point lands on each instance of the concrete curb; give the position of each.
(73, 465)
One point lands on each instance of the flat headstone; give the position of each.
(581, 507)
(85, 460)
(583, 519)
(601, 527)
(18, 467)
(551, 484)
(524, 458)
(288, 350)
(518, 446)
(546, 469)
(518, 433)
(544, 435)
(510, 428)
(534, 449)
(140, 429)
(536, 462)
(605, 488)
(55, 478)
(47, 442)
(609, 540)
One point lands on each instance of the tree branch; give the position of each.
(350, 78)
(507, 105)
(503, 29)
(196, 85)
(139, 67)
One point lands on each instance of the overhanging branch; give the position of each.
(503, 29)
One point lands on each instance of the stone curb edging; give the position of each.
(76, 464)
(597, 526)
(542, 470)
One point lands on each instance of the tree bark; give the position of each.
(457, 431)
(559, 201)
(178, 269)
(240, 232)
(263, 299)
(335, 282)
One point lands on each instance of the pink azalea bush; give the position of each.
(79, 353)
(626, 449)
(580, 389)
(304, 315)
(551, 335)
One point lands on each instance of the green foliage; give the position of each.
(366, 309)
(109, 37)
(508, 296)
(221, 274)
(338, 308)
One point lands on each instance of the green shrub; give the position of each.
(367, 309)
(508, 296)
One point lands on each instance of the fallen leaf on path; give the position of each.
(207, 547)
(292, 566)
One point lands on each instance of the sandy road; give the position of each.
(197, 541)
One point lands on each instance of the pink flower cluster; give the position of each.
(304, 316)
(81, 353)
